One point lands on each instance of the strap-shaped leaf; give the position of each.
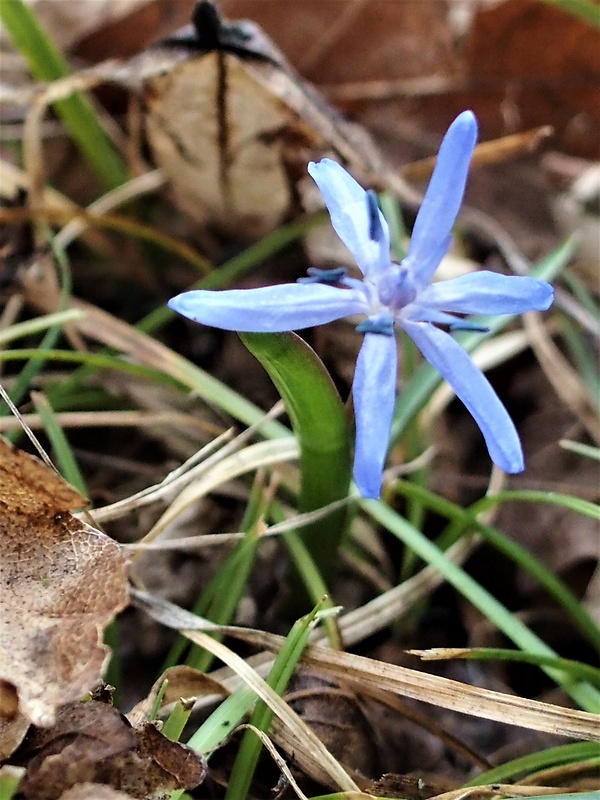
(321, 427)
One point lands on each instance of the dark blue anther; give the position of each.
(316, 275)
(373, 325)
(375, 229)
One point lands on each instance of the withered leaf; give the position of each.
(94, 791)
(182, 681)
(186, 766)
(335, 714)
(233, 127)
(62, 582)
(12, 733)
(92, 743)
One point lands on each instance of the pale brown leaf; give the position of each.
(92, 743)
(63, 582)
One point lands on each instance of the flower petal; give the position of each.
(351, 215)
(488, 293)
(473, 388)
(431, 233)
(289, 306)
(374, 393)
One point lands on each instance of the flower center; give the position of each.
(396, 287)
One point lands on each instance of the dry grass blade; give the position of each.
(461, 697)
(275, 755)
(136, 187)
(210, 539)
(495, 151)
(564, 379)
(432, 689)
(107, 419)
(151, 494)
(308, 750)
(499, 790)
(387, 608)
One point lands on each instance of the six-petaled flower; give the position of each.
(391, 294)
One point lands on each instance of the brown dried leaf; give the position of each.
(334, 713)
(183, 682)
(234, 128)
(92, 743)
(345, 43)
(94, 791)
(63, 581)
(530, 64)
(12, 733)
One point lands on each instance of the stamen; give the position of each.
(381, 324)
(375, 227)
(316, 275)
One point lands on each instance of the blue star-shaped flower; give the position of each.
(391, 294)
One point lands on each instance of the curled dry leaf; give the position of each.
(12, 733)
(182, 682)
(92, 743)
(62, 583)
(233, 126)
(335, 714)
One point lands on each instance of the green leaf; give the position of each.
(587, 696)
(544, 759)
(47, 64)
(319, 421)
(279, 676)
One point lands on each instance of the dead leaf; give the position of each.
(63, 583)
(94, 791)
(182, 682)
(335, 714)
(92, 743)
(350, 43)
(530, 64)
(12, 733)
(233, 126)
(186, 766)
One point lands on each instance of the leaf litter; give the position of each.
(62, 583)
(126, 764)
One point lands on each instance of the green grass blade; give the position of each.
(34, 365)
(177, 719)
(279, 676)
(463, 520)
(9, 783)
(309, 574)
(584, 694)
(221, 597)
(525, 765)
(508, 547)
(585, 10)
(319, 421)
(63, 454)
(47, 64)
(99, 360)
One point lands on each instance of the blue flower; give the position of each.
(391, 294)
